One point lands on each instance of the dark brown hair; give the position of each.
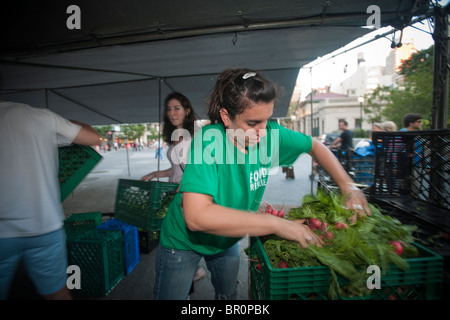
(238, 89)
(410, 118)
(189, 119)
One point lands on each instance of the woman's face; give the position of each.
(252, 124)
(176, 113)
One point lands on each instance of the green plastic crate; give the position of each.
(423, 280)
(100, 257)
(139, 202)
(79, 223)
(75, 163)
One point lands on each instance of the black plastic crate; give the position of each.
(414, 164)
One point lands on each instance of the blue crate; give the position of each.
(131, 241)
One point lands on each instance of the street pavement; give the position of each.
(97, 192)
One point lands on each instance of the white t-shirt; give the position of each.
(30, 200)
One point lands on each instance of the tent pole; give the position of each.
(440, 82)
(128, 160)
(159, 121)
(312, 121)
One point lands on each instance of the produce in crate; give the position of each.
(348, 249)
(166, 198)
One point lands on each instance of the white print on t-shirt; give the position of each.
(258, 178)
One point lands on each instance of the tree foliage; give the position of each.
(415, 95)
(132, 131)
(103, 130)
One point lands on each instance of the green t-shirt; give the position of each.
(234, 179)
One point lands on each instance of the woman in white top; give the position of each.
(178, 131)
(178, 114)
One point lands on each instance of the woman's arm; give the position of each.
(202, 214)
(331, 164)
(157, 174)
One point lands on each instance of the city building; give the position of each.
(321, 112)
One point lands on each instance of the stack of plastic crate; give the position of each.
(131, 242)
(79, 223)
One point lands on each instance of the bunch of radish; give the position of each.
(321, 228)
(279, 213)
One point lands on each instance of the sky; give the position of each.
(330, 68)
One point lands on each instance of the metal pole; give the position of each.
(440, 81)
(128, 160)
(312, 160)
(159, 120)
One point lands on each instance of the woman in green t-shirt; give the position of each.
(228, 167)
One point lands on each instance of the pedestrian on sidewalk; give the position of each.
(224, 182)
(31, 213)
(158, 146)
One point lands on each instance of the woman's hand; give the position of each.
(149, 177)
(356, 200)
(296, 230)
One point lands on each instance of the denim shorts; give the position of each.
(44, 258)
(175, 272)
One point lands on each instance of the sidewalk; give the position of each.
(97, 193)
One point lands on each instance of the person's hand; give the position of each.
(148, 177)
(356, 200)
(296, 230)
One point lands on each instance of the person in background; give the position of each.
(31, 213)
(412, 122)
(179, 115)
(345, 141)
(384, 126)
(365, 147)
(224, 182)
(158, 147)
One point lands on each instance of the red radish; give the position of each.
(328, 235)
(316, 223)
(324, 226)
(446, 236)
(275, 212)
(258, 267)
(398, 250)
(282, 265)
(340, 225)
(281, 213)
(269, 211)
